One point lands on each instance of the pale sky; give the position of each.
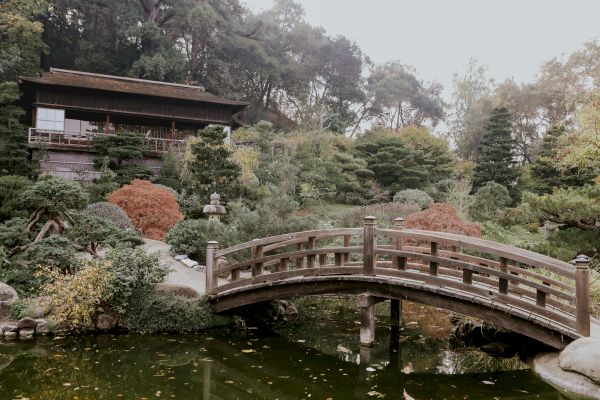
(438, 37)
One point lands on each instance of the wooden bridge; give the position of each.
(517, 289)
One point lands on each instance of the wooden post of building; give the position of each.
(582, 294)
(369, 245)
(366, 308)
(107, 124)
(211, 265)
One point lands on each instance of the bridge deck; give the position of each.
(519, 289)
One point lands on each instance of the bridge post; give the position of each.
(582, 294)
(211, 264)
(369, 246)
(398, 262)
(366, 308)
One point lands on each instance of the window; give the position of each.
(50, 118)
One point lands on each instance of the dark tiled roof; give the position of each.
(63, 77)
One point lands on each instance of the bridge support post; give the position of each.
(211, 265)
(582, 294)
(369, 246)
(396, 315)
(366, 308)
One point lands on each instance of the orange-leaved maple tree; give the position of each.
(152, 209)
(442, 217)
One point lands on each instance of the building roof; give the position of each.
(63, 77)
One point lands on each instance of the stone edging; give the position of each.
(546, 366)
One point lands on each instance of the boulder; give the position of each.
(41, 327)
(291, 311)
(10, 334)
(9, 328)
(40, 306)
(26, 333)
(26, 323)
(8, 296)
(106, 322)
(177, 289)
(582, 356)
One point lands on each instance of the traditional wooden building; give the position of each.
(68, 109)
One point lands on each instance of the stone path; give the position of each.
(180, 274)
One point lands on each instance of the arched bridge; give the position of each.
(520, 290)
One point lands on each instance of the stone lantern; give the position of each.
(214, 210)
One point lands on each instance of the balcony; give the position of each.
(65, 140)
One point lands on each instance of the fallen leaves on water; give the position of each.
(375, 393)
(248, 351)
(488, 382)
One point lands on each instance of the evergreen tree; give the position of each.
(14, 156)
(211, 168)
(546, 174)
(495, 158)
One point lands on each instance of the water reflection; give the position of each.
(245, 365)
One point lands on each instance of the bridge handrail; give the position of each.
(512, 275)
(501, 250)
(319, 233)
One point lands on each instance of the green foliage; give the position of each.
(21, 42)
(104, 185)
(90, 231)
(413, 196)
(123, 146)
(410, 159)
(111, 212)
(54, 251)
(384, 212)
(131, 270)
(152, 312)
(545, 170)
(171, 170)
(495, 156)
(572, 207)
(21, 309)
(489, 201)
(190, 236)
(11, 188)
(14, 156)
(13, 233)
(55, 196)
(127, 173)
(211, 168)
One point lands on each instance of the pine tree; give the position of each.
(495, 158)
(545, 172)
(14, 156)
(212, 168)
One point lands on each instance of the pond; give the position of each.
(308, 360)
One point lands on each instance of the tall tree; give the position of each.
(14, 156)
(545, 170)
(470, 109)
(496, 153)
(403, 99)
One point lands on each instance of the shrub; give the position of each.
(151, 209)
(11, 205)
(413, 196)
(384, 212)
(90, 232)
(151, 312)
(190, 237)
(132, 269)
(55, 196)
(489, 202)
(442, 217)
(54, 251)
(13, 233)
(76, 299)
(458, 195)
(111, 212)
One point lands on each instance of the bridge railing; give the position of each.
(551, 290)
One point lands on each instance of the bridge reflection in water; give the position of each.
(529, 293)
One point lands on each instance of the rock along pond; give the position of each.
(310, 360)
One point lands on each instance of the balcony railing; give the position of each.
(38, 137)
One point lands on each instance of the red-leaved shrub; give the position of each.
(153, 210)
(441, 217)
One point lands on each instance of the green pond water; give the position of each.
(316, 360)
